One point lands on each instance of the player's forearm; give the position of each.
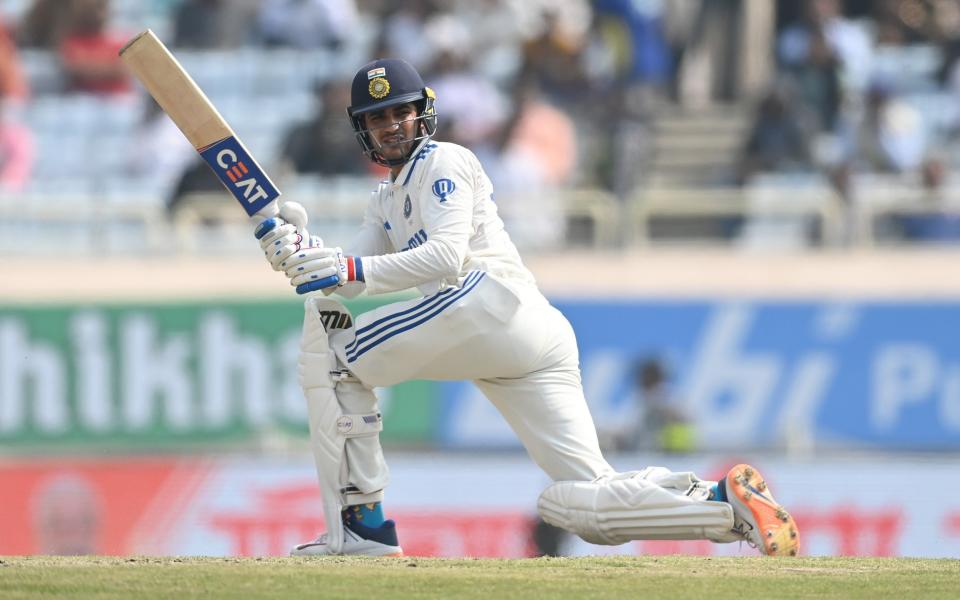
(434, 260)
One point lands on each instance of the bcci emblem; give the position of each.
(379, 87)
(407, 207)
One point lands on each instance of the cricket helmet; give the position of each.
(390, 82)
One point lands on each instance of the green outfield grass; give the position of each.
(671, 577)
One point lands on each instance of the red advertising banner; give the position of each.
(281, 518)
(482, 508)
(69, 506)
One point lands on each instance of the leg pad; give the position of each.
(344, 420)
(652, 504)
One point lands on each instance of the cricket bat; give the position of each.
(187, 106)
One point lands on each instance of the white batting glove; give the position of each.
(326, 269)
(285, 234)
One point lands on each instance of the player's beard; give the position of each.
(398, 145)
(396, 149)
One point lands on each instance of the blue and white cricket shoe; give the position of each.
(358, 540)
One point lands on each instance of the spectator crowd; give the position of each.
(551, 94)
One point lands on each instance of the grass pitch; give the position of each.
(670, 577)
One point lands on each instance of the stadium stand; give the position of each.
(683, 186)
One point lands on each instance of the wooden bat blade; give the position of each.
(174, 90)
(187, 106)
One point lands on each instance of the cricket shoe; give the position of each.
(358, 540)
(757, 516)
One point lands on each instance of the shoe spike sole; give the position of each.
(775, 537)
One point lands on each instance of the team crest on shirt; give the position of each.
(379, 87)
(443, 188)
(407, 207)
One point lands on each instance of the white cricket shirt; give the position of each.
(435, 222)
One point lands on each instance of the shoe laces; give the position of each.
(324, 537)
(740, 530)
(321, 539)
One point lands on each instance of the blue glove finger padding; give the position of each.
(265, 227)
(312, 286)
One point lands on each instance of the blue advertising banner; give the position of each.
(749, 374)
(761, 374)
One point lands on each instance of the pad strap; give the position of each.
(352, 426)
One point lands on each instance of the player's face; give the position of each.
(393, 129)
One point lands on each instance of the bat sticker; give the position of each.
(240, 174)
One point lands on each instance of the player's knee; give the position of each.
(319, 367)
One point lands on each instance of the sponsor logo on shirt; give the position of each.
(418, 239)
(443, 188)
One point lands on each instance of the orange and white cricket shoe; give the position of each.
(757, 516)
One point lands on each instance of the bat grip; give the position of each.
(312, 286)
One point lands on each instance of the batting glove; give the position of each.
(285, 235)
(282, 235)
(312, 269)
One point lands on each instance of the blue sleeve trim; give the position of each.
(358, 268)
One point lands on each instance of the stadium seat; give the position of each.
(784, 209)
(42, 71)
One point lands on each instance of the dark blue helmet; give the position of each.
(389, 82)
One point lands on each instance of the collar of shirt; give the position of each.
(403, 177)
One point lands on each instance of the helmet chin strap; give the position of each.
(396, 162)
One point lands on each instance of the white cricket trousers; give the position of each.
(517, 349)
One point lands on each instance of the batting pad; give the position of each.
(344, 420)
(652, 504)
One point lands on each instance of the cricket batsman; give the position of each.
(433, 225)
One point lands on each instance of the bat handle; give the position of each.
(312, 286)
(296, 215)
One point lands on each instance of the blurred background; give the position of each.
(748, 209)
